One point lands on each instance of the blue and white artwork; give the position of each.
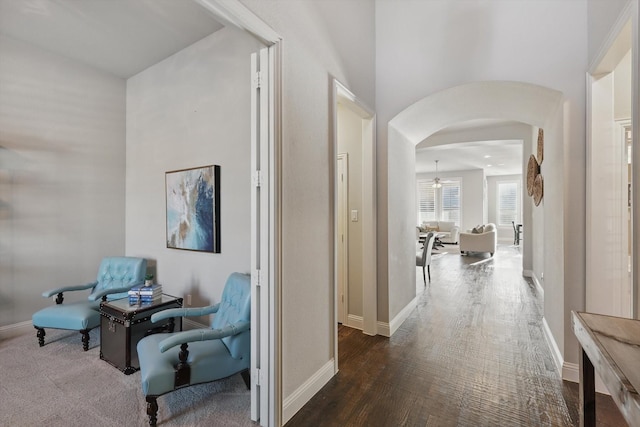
(193, 209)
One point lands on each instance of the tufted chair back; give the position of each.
(119, 272)
(235, 306)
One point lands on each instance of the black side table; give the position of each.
(122, 325)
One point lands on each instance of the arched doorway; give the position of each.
(535, 105)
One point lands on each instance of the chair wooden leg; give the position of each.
(40, 334)
(424, 277)
(85, 339)
(246, 376)
(152, 410)
(429, 271)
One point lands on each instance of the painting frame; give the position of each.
(192, 198)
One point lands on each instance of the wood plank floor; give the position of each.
(473, 353)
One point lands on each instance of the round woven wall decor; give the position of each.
(540, 146)
(538, 190)
(533, 169)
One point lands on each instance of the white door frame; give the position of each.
(621, 38)
(266, 258)
(368, 216)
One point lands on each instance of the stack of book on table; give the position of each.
(145, 294)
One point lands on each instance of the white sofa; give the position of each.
(487, 241)
(448, 228)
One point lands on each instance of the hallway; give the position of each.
(472, 353)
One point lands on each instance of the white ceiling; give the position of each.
(502, 157)
(458, 149)
(122, 37)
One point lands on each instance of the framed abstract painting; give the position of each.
(193, 209)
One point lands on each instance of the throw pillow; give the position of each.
(432, 228)
(478, 229)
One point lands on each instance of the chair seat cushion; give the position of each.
(76, 316)
(209, 360)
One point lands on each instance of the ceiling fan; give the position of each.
(437, 182)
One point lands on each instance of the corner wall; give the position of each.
(192, 109)
(62, 167)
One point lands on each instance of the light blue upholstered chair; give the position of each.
(180, 359)
(116, 276)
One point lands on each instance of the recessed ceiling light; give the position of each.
(487, 156)
(489, 166)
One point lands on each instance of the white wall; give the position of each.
(62, 166)
(192, 109)
(445, 44)
(472, 195)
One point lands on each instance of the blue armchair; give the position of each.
(180, 359)
(115, 277)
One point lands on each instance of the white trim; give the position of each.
(294, 402)
(614, 32)
(571, 372)
(232, 12)
(553, 347)
(388, 329)
(384, 329)
(530, 274)
(354, 321)
(188, 324)
(16, 330)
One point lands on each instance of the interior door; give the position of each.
(262, 241)
(342, 237)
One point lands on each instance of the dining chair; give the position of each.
(423, 257)
(517, 233)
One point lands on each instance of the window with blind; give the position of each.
(426, 201)
(508, 203)
(439, 204)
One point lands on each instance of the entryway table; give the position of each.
(611, 346)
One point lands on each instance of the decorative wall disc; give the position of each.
(540, 146)
(533, 169)
(538, 190)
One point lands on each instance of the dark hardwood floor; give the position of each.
(472, 353)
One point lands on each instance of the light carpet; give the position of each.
(61, 385)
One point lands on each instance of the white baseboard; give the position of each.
(294, 402)
(388, 329)
(188, 324)
(15, 330)
(571, 372)
(530, 274)
(355, 322)
(568, 371)
(384, 329)
(553, 347)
